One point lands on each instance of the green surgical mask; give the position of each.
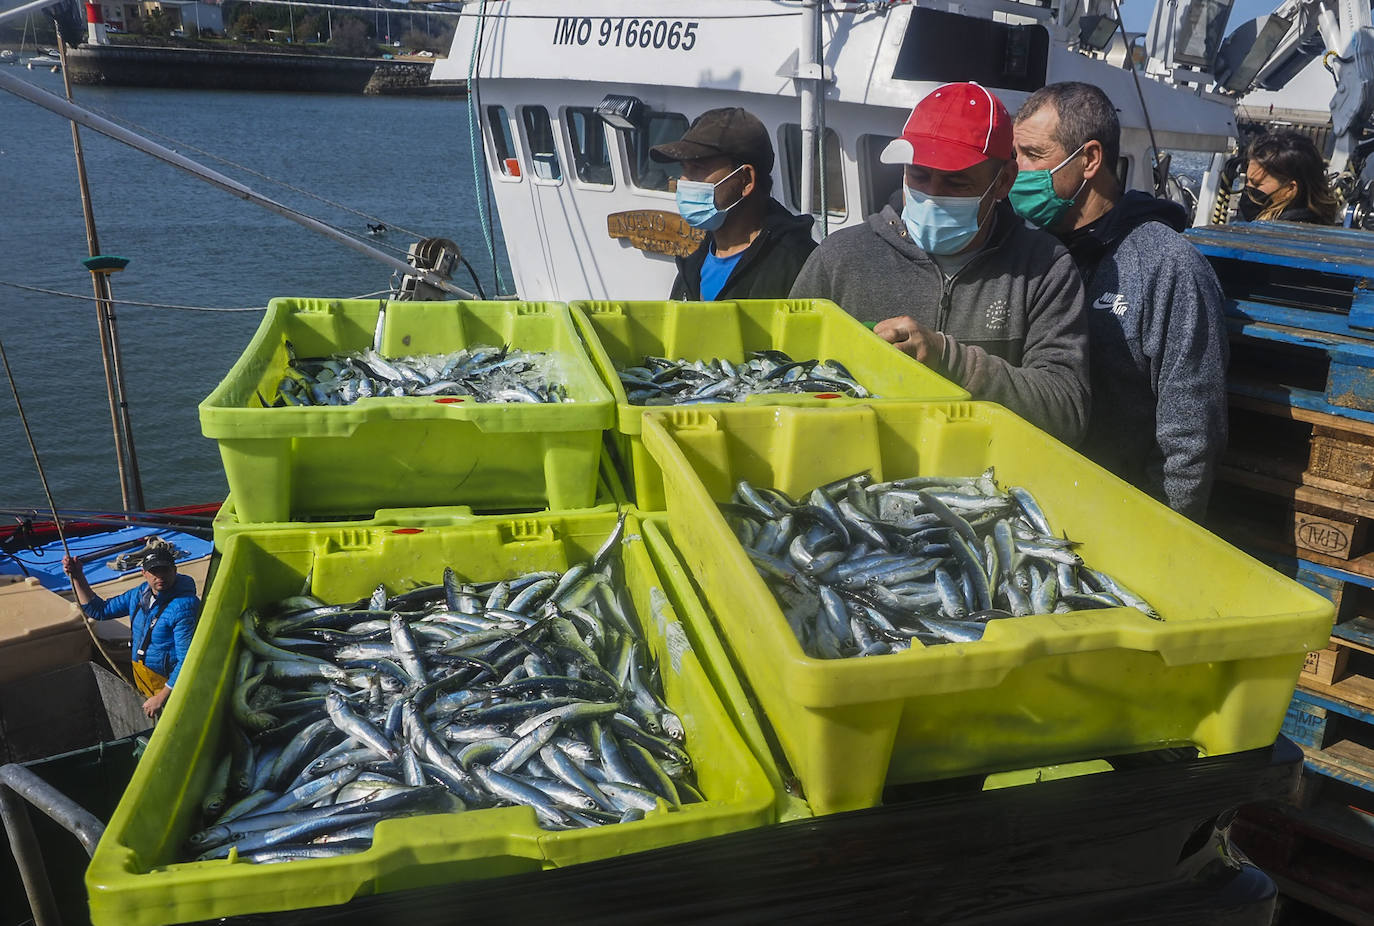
(1033, 197)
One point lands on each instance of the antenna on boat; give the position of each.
(126, 459)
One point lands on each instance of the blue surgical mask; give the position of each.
(696, 202)
(942, 224)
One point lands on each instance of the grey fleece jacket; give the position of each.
(1159, 352)
(1015, 326)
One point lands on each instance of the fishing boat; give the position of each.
(567, 107)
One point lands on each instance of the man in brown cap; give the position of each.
(162, 615)
(754, 247)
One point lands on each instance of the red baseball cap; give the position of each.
(955, 127)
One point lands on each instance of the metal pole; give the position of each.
(134, 481)
(806, 90)
(61, 107)
(28, 856)
(67, 813)
(818, 45)
(101, 294)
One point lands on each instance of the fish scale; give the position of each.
(486, 374)
(930, 559)
(528, 712)
(661, 381)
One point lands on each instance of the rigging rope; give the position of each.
(178, 143)
(148, 305)
(52, 506)
(159, 305)
(474, 144)
(1145, 110)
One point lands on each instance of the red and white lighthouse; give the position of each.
(95, 24)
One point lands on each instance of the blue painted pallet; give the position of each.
(1315, 576)
(1350, 361)
(1357, 630)
(1328, 254)
(1305, 247)
(1307, 399)
(1308, 722)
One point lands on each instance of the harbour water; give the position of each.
(404, 161)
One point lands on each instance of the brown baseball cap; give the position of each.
(730, 132)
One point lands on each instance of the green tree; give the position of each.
(248, 27)
(350, 39)
(157, 23)
(310, 27)
(418, 40)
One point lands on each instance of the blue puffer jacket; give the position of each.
(172, 634)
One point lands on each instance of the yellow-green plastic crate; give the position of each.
(610, 495)
(1216, 673)
(132, 879)
(686, 601)
(287, 464)
(621, 334)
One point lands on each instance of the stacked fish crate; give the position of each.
(1297, 489)
(859, 590)
(435, 649)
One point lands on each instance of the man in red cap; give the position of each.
(951, 275)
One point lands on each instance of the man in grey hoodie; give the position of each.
(952, 277)
(1159, 349)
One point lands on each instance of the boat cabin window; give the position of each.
(502, 145)
(587, 142)
(539, 138)
(877, 181)
(834, 172)
(646, 173)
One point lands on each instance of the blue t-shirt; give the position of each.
(714, 272)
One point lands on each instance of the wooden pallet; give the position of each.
(1319, 856)
(1252, 512)
(1321, 466)
(1312, 520)
(1324, 372)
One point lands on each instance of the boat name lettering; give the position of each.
(677, 34)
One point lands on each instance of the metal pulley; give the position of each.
(435, 255)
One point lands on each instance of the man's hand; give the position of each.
(153, 706)
(912, 338)
(71, 566)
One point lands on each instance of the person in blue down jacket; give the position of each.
(949, 275)
(162, 613)
(1158, 348)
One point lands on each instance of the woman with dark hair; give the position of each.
(1285, 179)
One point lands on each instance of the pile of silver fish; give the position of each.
(863, 568)
(660, 381)
(537, 690)
(487, 374)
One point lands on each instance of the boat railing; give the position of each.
(18, 782)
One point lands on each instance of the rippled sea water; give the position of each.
(405, 161)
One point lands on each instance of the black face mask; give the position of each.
(1252, 203)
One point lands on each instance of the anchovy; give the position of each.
(534, 689)
(862, 568)
(661, 381)
(481, 373)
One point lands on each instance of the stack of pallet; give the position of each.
(1296, 488)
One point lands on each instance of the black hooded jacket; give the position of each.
(766, 269)
(1158, 351)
